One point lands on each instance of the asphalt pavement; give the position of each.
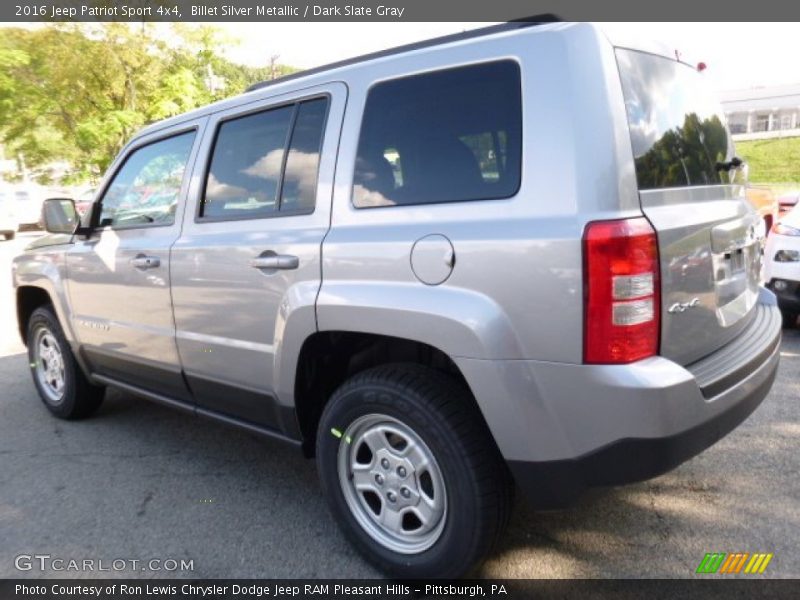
(139, 482)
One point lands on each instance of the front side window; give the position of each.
(145, 191)
(266, 162)
(448, 136)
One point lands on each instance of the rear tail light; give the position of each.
(621, 291)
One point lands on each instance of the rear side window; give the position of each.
(448, 136)
(266, 162)
(299, 189)
(678, 130)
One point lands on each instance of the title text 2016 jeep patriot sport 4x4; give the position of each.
(512, 256)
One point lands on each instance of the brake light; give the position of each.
(767, 224)
(621, 291)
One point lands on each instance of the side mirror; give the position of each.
(59, 215)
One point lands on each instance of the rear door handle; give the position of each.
(146, 262)
(275, 261)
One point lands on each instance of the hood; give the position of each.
(51, 239)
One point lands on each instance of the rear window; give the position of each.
(677, 128)
(266, 162)
(447, 136)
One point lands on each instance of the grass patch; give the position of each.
(772, 161)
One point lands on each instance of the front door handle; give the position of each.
(145, 262)
(275, 261)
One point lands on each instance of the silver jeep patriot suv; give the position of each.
(514, 256)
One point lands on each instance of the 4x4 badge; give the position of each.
(680, 307)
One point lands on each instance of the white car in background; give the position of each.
(28, 201)
(84, 199)
(788, 201)
(782, 267)
(8, 216)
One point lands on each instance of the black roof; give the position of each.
(446, 39)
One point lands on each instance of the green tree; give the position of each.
(77, 92)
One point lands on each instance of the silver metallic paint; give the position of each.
(510, 314)
(131, 306)
(237, 324)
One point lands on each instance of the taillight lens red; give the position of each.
(621, 291)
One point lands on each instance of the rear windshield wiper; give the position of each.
(733, 163)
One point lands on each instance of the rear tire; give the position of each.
(10, 235)
(789, 319)
(411, 472)
(62, 386)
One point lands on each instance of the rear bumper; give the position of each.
(634, 459)
(580, 426)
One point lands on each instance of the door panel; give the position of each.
(119, 283)
(251, 264)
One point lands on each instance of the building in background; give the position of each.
(763, 112)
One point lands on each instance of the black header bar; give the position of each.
(708, 587)
(393, 10)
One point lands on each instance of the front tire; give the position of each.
(411, 472)
(62, 386)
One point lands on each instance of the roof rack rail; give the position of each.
(531, 21)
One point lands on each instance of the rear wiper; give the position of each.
(733, 163)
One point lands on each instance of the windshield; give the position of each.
(677, 128)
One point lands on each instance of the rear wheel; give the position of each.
(789, 319)
(411, 473)
(61, 384)
(10, 235)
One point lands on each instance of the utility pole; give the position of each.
(274, 69)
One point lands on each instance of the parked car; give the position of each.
(84, 200)
(443, 271)
(8, 216)
(28, 206)
(764, 201)
(782, 268)
(788, 201)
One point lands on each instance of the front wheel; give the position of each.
(411, 473)
(61, 384)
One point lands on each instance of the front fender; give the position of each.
(45, 270)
